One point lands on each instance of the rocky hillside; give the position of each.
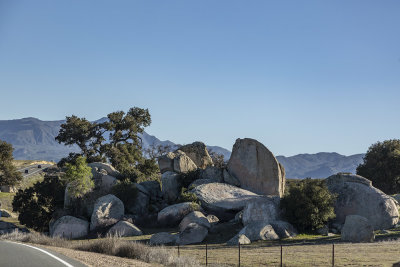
(34, 139)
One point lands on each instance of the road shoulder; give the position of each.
(96, 259)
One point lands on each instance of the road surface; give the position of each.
(33, 169)
(20, 255)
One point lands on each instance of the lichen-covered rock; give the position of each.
(194, 217)
(229, 179)
(238, 239)
(193, 233)
(200, 182)
(212, 219)
(162, 238)
(153, 188)
(256, 168)
(107, 211)
(212, 173)
(171, 186)
(223, 200)
(124, 228)
(173, 215)
(166, 162)
(107, 182)
(198, 153)
(100, 166)
(357, 196)
(259, 231)
(260, 210)
(182, 163)
(69, 227)
(357, 229)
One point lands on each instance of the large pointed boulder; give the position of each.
(256, 168)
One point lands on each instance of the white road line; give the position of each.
(44, 251)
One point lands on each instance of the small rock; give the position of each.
(323, 230)
(162, 238)
(123, 228)
(212, 219)
(284, 229)
(238, 239)
(69, 227)
(192, 234)
(194, 217)
(357, 229)
(172, 215)
(259, 231)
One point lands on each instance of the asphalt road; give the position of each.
(20, 255)
(33, 169)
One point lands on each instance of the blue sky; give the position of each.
(299, 76)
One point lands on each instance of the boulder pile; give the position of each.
(200, 199)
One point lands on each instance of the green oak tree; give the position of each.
(382, 166)
(123, 147)
(8, 172)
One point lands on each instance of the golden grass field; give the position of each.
(346, 254)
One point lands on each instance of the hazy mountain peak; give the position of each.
(33, 138)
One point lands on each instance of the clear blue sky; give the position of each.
(299, 76)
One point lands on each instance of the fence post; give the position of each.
(239, 253)
(333, 254)
(281, 257)
(206, 254)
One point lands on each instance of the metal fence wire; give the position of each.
(242, 255)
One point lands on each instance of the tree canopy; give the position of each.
(122, 147)
(36, 204)
(8, 173)
(382, 166)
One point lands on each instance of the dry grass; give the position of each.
(19, 164)
(111, 245)
(6, 200)
(30, 181)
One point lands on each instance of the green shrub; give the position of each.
(308, 205)
(126, 191)
(36, 204)
(187, 178)
(187, 196)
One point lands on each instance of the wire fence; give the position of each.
(289, 255)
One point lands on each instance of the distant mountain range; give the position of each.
(34, 139)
